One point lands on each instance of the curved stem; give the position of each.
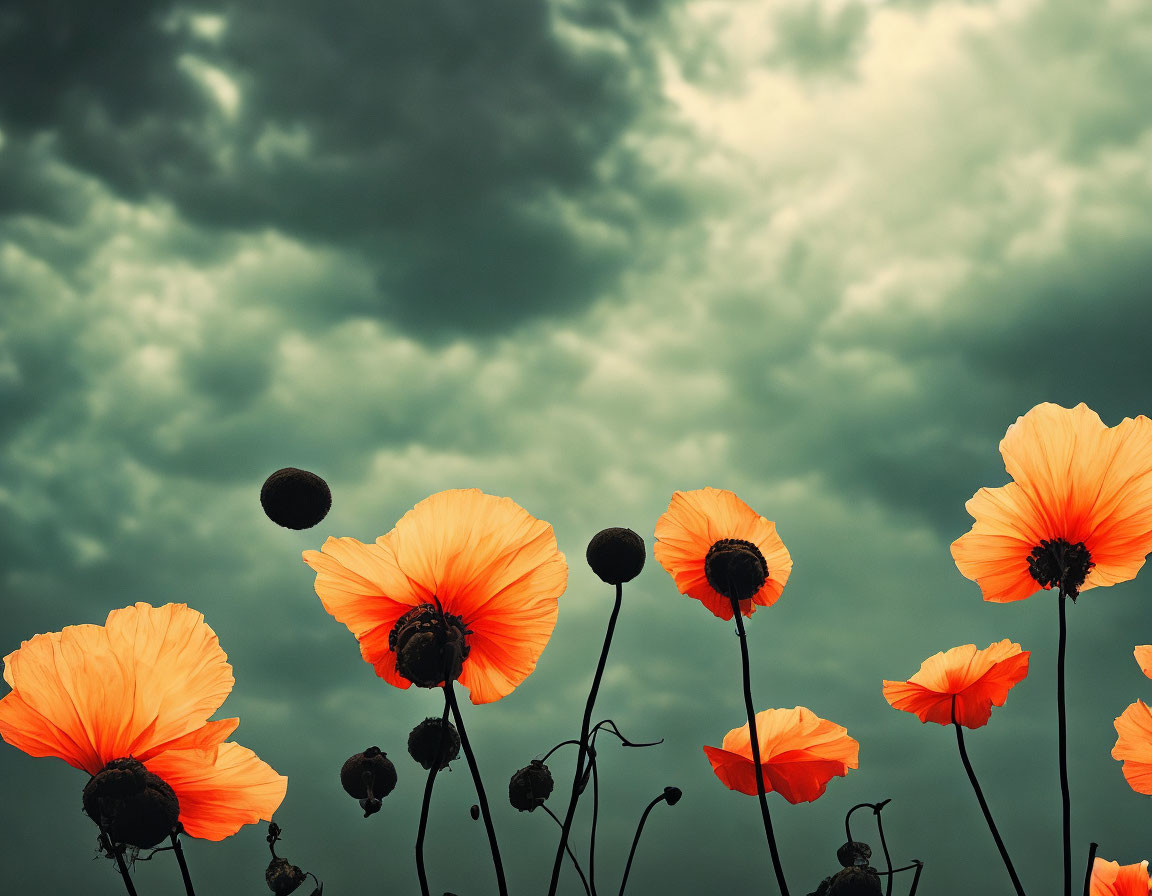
(595, 818)
(562, 743)
(422, 830)
(983, 803)
(756, 749)
(472, 767)
(1088, 871)
(183, 865)
(884, 846)
(1066, 802)
(575, 864)
(119, 854)
(584, 726)
(636, 840)
(916, 878)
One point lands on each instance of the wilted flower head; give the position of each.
(466, 581)
(530, 786)
(717, 549)
(128, 702)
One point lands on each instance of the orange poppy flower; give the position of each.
(1114, 879)
(1077, 514)
(491, 567)
(799, 753)
(977, 679)
(1134, 734)
(141, 687)
(715, 546)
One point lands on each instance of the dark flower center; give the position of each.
(1060, 564)
(131, 804)
(430, 645)
(735, 568)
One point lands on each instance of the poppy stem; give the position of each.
(636, 839)
(480, 795)
(1062, 721)
(580, 758)
(118, 852)
(595, 817)
(1088, 871)
(755, 738)
(180, 860)
(568, 849)
(916, 877)
(984, 803)
(884, 845)
(422, 830)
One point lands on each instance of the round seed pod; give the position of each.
(368, 775)
(131, 804)
(616, 555)
(428, 737)
(530, 786)
(295, 499)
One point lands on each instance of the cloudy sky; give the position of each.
(582, 253)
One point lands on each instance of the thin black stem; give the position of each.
(584, 727)
(756, 749)
(568, 849)
(983, 803)
(884, 845)
(636, 840)
(1088, 871)
(916, 878)
(422, 830)
(562, 743)
(472, 767)
(1066, 802)
(595, 817)
(118, 852)
(916, 863)
(183, 865)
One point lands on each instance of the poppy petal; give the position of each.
(1143, 654)
(1114, 879)
(219, 795)
(1134, 746)
(994, 553)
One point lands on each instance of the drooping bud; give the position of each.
(530, 786)
(295, 499)
(283, 877)
(616, 555)
(735, 568)
(428, 642)
(431, 738)
(853, 854)
(131, 804)
(672, 795)
(369, 777)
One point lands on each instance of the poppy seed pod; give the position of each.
(131, 804)
(295, 499)
(283, 877)
(431, 739)
(616, 555)
(735, 568)
(530, 786)
(428, 642)
(853, 853)
(855, 882)
(672, 795)
(368, 775)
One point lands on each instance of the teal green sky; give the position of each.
(582, 253)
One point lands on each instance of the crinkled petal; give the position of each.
(1134, 746)
(218, 795)
(150, 675)
(1114, 879)
(1143, 654)
(994, 553)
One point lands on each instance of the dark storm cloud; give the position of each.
(815, 38)
(471, 153)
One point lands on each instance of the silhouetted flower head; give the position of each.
(717, 548)
(283, 877)
(853, 853)
(616, 555)
(128, 702)
(855, 881)
(295, 499)
(130, 804)
(491, 567)
(434, 741)
(672, 795)
(368, 777)
(530, 786)
(1077, 513)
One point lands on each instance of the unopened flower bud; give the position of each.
(131, 804)
(530, 786)
(368, 775)
(672, 795)
(283, 877)
(474, 812)
(430, 737)
(295, 499)
(616, 555)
